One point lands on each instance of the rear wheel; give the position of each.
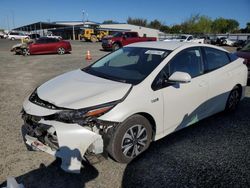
(61, 51)
(130, 139)
(233, 99)
(12, 38)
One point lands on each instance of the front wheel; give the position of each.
(61, 51)
(93, 38)
(233, 99)
(25, 52)
(130, 139)
(115, 47)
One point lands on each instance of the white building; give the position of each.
(143, 31)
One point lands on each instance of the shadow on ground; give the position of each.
(54, 176)
(212, 153)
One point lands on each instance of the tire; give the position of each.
(233, 99)
(115, 47)
(12, 38)
(25, 52)
(93, 38)
(123, 146)
(61, 51)
(224, 43)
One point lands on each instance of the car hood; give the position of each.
(78, 89)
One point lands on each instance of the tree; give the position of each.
(156, 24)
(109, 22)
(176, 29)
(165, 29)
(221, 25)
(204, 25)
(232, 25)
(197, 24)
(137, 21)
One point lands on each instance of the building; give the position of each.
(72, 29)
(142, 31)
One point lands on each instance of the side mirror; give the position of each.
(179, 77)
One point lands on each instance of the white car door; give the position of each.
(184, 103)
(219, 79)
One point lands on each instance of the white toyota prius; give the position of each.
(129, 98)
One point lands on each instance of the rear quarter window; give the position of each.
(232, 56)
(215, 58)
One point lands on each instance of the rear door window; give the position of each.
(215, 58)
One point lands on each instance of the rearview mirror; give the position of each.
(179, 77)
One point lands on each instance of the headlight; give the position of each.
(109, 41)
(81, 115)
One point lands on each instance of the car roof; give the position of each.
(170, 45)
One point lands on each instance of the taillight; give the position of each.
(245, 61)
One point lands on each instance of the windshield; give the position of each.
(181, 37)
(117, 34)
(128, 64)
(246, 48)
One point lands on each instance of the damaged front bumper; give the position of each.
(70, 142)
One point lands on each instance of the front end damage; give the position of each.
(69, 140)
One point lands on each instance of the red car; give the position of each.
(245, 53)
(120, 39)
(43, 45)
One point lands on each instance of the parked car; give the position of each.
(222, 41)
(34, 36)
(121, 39)
(227, 42)
(43, 45)
(2, 34)
(187, 38)
(17, 35)
(51, 35)
(207, 39)
(240, 43)
(245, 53)
(129, 98)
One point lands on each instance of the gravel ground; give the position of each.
(212, 153)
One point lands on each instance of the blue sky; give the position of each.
(17, 13)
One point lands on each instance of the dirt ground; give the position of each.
(213, 152)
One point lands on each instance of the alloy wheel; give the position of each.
(61, 51)
(234, 99)
(134, 141)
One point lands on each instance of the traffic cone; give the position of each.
(88, 56)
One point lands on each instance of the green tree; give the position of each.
(232, 25)
(204, 25)
(165, 29)
(176, 29)
(137, 21)
(156, 24)
(109, 22)
(222, 25)
(197, 24)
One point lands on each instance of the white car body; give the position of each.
(229, 42)
(170, 108)
(186, 38)
(54, 36)
(17, 36)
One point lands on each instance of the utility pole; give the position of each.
(83, 12)
(13, 19)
